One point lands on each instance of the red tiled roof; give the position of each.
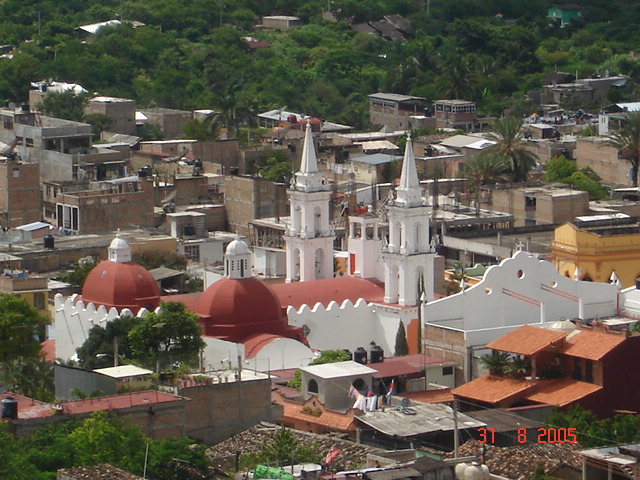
(392, 369)
(493, 389)
(189, 299)
(561, 392)
(114, 402)
(338, 289)
(336, 421)
(590, 345)
(430, 396)
(97, 472)
(29, 408)
(526, 340)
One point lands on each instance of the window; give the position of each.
(577, 369)
(312, 386)
(192, 252)
(38, 300)
(16, 173)
(588, 374)
(447, 371)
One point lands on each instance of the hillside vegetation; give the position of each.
(191, 54)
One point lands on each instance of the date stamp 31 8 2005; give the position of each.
(542, 435)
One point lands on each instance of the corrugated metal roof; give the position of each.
(377, 159)
(123, 371)
(395, 97)
(426, 419)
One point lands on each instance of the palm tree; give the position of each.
(627, 141)
(508, 137)
(232, 111)
(457, 78)
(485, 169)
(495, 362)
(517, 367)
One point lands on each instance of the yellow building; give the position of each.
(34, 289)
(598, 251)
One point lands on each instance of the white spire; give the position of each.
(308, 179)
(615, 280)
(409, 192)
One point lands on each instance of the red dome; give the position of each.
(121, 285)
(232, 309)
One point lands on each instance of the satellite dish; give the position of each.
(405, 402)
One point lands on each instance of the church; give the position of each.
(390, 282)
(391, 264)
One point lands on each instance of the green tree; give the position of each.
(559, 168)
(67, 105)
(155, 259)
(177, 459)
(401, 346)
(277, 167)
(20, 324)
(99, 123)
(99, 348)
(627, 140)
(172, 335)
(150, 131)
(31, 377)
(496, 362)
(517, 367)
(507, 134)
(201, 130)
(564, 170)
(452, 285)
(485, 169)
(103, 438)
(78, 275)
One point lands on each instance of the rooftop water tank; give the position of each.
(9, 408)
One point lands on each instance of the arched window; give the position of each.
(312, 386)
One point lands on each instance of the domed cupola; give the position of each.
(240, 305)
(237, 263)
(119, 283)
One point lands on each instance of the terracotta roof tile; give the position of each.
(526, 340)
(324, 291)
(393, 369)
(561, 392)
(98, 472)
(336, 421)
(430, 396)
(519, 462)
(590, 345)
(493, 389)
(115, 402)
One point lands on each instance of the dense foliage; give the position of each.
(564, 170)
(167, 338)
(100, 438)
(594, 432)
(193, 55)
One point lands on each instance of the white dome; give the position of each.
(119, 250)
(563, 326)
(118, 243)
(237, 247)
